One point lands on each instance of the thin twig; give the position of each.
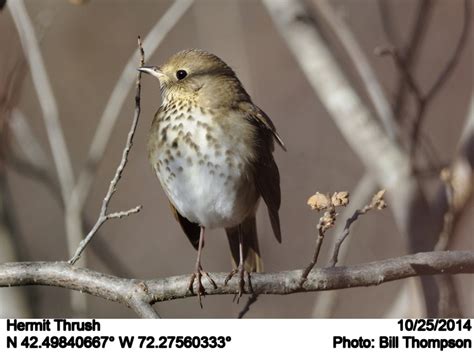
(317, 249)
(321, 202)
(325, 303)
(109, 117)
(422, 100)
(100, 248)
(441, 79)
(36, 172)
(420, 25)
(454, 59)
(46, 99)
(386, 159)
(122, 214)
(51, 119)
(387, 23)
(62, 274)
(103, 216)
(377, 202)
(362, 65)
(404, 69)
(36, 166)
(26, 140)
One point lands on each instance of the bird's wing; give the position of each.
(263, 120)
(267, 179)
(266, 175)
(192, 230)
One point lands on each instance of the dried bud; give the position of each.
(319, 202)
(378, 201)
(340, 198)
(327, 220)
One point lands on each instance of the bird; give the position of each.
(212, 150)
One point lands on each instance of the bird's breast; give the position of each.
(203, 164)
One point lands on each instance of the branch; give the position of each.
(325, 303)
(45, 94)
(321, 202)
(361, 64)
(453, 60)
(387, 160)
(423, 100)
(35, 165)
(111, 112)
(377, 202)
(417, 35)
(450, 204)
(27, 141)
(387, 24)
(103, 216)
(129, 291)
(50, 111)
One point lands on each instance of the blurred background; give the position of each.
(85, 48)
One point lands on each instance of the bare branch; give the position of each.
(140, 302)
(122, 214)
(45, 96)
(103, 216)
(325, 303)
(319, 242)
(362, 65)
(377, 202)
(387, 23)
(36, 166)
(387, 160)
(459, 181)
(50, 111)
(420, 25)
(453, 60)
(111, 112)
(26, 140)
(62, 274)
(321, 202)
(422, 100)
(404, 69)
(143, 309)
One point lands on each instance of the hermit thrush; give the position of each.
(211, 149)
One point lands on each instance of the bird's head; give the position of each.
(198, 76)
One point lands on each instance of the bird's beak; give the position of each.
(152, 70)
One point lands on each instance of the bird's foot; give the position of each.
(197, 275)
(242, 273)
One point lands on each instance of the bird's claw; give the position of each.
(241, 272)
(197, 275)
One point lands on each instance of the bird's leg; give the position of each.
(198, 271)
(240, 269)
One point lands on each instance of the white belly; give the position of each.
(203, 173)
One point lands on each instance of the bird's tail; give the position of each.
(252, 260)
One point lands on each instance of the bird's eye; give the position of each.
(180, 74)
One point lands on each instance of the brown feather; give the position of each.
(258, 115)
(266, 175)
(192, 230)
(252, 259)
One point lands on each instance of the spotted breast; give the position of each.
(203, 170)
